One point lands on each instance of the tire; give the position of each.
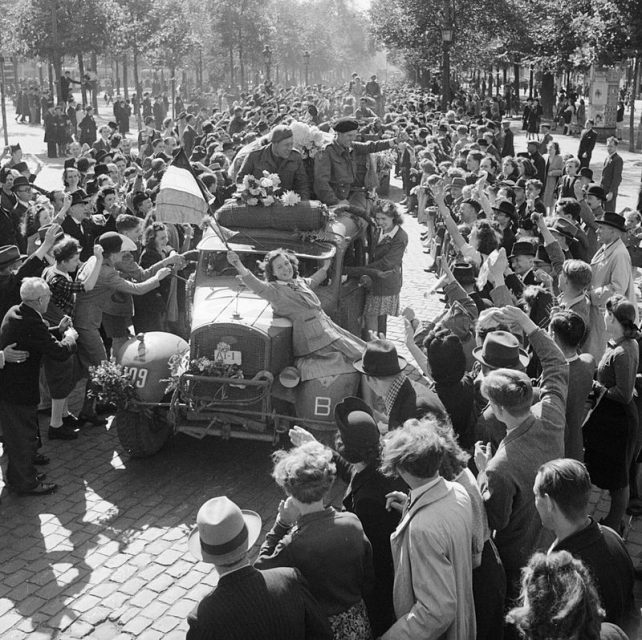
(142, 432)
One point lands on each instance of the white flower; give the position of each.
(276, 181)
(252, 202)
(266, 183)
(290, 198)
(246, 180)
(254, 191)
(268, 201)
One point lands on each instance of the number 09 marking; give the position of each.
(322, 406)
(138, 376)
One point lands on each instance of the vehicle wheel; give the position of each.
(142, 432)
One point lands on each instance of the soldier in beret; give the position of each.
(341, 168)
(281, 158)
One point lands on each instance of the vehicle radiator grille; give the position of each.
(253, 345)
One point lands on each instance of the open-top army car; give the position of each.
(236, 378)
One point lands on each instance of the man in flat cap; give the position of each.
(341, 169)
(281, 158)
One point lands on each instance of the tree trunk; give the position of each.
(137, 90)
(547, 97)
(241, 61)
(125, 83)
(636, 73)
(117, 76)
(56, 61)
(81, 70)
(231, 66)
(94, 84)
(516, 81)
(51, 80)
(172, 71)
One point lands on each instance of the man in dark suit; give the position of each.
(508, 145)
(537, 159)
(19, 382)
(562, 490)
(587, 144)
(248, 604)
(612, 174)
(78, 224)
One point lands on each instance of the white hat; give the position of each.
(223, 532)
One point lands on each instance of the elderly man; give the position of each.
(611, 265)
(342, 172)
(281, 158)
(19, 382)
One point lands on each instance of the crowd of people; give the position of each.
(469, 518)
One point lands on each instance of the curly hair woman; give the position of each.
(328, 547)
(559, 602)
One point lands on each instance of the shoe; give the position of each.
(92, 418)
(40, 459)
(62, 433)
(71, 421)
(42, 488)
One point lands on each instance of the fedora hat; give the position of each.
(585, 172)
(10, 254)
(20, 181)
(464, 273)
(223, 532)
(501, 350)
(356, 425)
(614, 220)
(563, 227)
(596, 190)
(506, 207)
(523, 248)
(380, 360)
(79, 197)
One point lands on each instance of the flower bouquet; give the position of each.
(111, 383)
(262, 192)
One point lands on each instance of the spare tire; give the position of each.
(142, 431)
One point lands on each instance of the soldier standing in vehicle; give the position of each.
(342, 172)
(281, 158)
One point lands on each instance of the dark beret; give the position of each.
(344, 125)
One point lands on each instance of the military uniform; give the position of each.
(291, 170)
(340, 173)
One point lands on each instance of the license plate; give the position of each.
(228, 357)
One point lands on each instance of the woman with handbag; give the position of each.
(384, 267)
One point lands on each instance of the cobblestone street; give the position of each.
(105, 557)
